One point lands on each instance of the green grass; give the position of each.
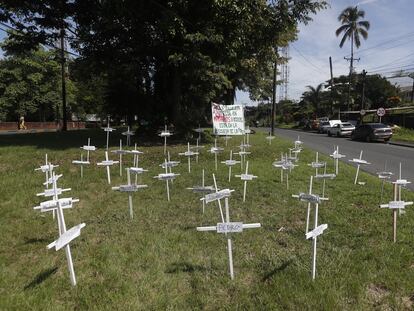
(403, 134)
(158, 261)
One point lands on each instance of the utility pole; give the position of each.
(351, 70)
(63, 72)
(332, 100)
(364, 74)
(411, 75)
(274, 95)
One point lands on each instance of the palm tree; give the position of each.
(314, 96)
(353, 29)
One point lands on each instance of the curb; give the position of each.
(401, 143)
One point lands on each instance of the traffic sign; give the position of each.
(362, 112)
(380, 112)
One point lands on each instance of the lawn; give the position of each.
(403, 134)
(158, 261)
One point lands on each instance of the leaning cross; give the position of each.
(359, 162)
(228, 228)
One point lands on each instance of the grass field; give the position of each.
(158, 261)
(403, 134)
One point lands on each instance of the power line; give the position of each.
(307, 60)
(393, 62)
(22, 33)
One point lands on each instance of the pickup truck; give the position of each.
(341, 129)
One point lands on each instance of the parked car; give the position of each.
(324, 126)
(341, 129)
(372, 131)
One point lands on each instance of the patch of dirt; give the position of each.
(376, 293)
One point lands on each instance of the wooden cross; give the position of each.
(396, 204)
(202, 189)
(128, 134)
(246, 177)
(108, 129)
(88, 148)
(65, 236)
(81, 162)
(228, 228)
(129, 188)
(336, 156)
(167, 176)
(165, 133)
(120, 152)
(359, 162)
(230, 163)
(107, 163)
(216, 150)
(189, 154)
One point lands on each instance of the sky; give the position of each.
(390, 44)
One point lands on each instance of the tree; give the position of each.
(314, 96)
(353, 29)
(29, 85)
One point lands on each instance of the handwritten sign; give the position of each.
(227, 119)
(227, 227)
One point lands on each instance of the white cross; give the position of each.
(47, 168)
(202, 189)
(165, 133)
(242, 153)
(280, 164)
(216, 150)
(336, 156)
(199, 130)
(359, 162)
(298, 143)
(167, 177)
(108, 129)
(383, 176)
(81, 162)
(318, 230)
(120, 152)
(197, 148)
(316, 165)
(230, 163)
(396, 204)
(226, 138)
(270, 138)
(399, 183)
(65, 236)
(189, 154)
(129, 188)
(246, 177)
(128, 134)
(107, 163)
(227, 228)
(135, 169)
(217, 196)
(310, 198)
(88, 148)
(324, 177)
(244, 145)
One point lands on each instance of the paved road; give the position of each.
(375, 153)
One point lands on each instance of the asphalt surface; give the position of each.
(376, 153)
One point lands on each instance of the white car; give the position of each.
(341, 129)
